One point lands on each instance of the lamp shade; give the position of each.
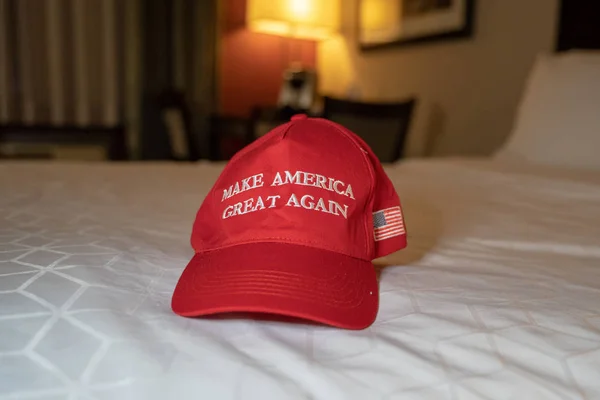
(303, 19)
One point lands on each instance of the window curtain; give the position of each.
(61, 62)
(107, 62)
(179, 56)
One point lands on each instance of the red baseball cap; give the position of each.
(291, 227)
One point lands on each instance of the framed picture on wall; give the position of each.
(385, 23)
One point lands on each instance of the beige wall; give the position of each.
(468, 91)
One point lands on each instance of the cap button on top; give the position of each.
(299, 117)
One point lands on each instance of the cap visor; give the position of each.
(284, 279)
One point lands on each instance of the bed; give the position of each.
(497, 295)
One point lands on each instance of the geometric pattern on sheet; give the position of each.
(486, 302)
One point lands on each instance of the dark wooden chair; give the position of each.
(176, 119)
(265, 119)
(383, 126)
(228, 134)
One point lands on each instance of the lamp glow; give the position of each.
(302, 19)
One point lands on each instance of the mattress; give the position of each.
(497, 295)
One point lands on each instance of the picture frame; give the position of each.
(393, 23)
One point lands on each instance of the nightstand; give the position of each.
(63, 142)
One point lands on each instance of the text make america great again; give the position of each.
(300, 178)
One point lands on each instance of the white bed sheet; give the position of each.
(496, 297)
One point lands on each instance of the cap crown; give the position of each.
(307, 182)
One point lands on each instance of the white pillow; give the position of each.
(558, 119)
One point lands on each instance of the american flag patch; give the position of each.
(388, 223)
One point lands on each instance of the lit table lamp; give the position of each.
(299, 19)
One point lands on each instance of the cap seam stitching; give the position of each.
(281, 240)
(371, 173)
